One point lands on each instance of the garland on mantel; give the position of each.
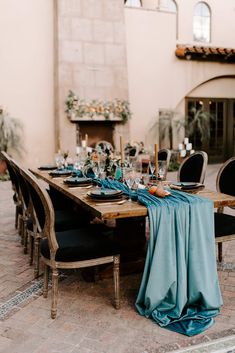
(79, 108)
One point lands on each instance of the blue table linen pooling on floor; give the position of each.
(179, 287)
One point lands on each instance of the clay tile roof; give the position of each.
(204, 53)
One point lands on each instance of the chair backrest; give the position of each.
(164, 155)
(225, 181)
(42, 207)
(193, 168)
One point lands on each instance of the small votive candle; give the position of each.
(84, 143)
(189, 146)
(180, 146)
(182, 153)
(186, 140)
(192, 151)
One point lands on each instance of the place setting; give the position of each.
(106, 196)
(76, 181)
(190, 187)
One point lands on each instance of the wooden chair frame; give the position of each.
(49, 232)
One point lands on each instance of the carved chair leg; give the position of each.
(220, 251)
(25, 236)
(16, 217)
(116, 278)
(55, 275)
(36, 257)
(45, 280)
(20, 230)
(31, 245)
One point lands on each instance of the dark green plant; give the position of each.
(199, 122)
(11, 131)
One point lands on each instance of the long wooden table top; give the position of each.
(128, 209)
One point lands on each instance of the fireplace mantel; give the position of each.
(95, 119)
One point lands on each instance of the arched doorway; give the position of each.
(217, 99)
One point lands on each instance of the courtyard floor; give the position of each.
(86, 320)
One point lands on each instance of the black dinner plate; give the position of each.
(106, 194)
(77, 181)
(187, 185)
(48, 167)
(60, 172)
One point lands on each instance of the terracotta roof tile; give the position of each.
(204, 53)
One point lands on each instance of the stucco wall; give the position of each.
(91, 56)
(26, 73)
(157, 79)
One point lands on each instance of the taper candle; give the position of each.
(156, 159)
(121, 149)
(86, 139)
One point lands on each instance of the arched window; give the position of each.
(202, 22)
(170, 5)
(133, 3)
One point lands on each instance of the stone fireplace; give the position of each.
(91, 61)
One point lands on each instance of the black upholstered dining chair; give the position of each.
(68, 249)
(225, 223)
(31, 232)
(193, 168)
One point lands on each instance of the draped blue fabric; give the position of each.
(179, 288)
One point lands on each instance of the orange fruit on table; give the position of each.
(153, 189)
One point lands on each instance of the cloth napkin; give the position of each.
(179, 288)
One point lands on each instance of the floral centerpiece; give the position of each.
(108, 109)
(111, 163)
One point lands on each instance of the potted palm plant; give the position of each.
(10, 136)
(199, 122)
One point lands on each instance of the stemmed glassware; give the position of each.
(151, 167)
(59, 160)
(161, 171)
(129, 179)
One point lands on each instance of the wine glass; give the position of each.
(161, 171)
(151, 167)
(129, 179)
(59, 160)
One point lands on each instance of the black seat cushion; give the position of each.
(64, 220)
(224, 224)
(81, 244)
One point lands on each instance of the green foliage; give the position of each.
(4, 177)
(199, 121)
(10, 133)
(173, 166)
(108, 109)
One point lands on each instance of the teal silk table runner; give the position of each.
(179, 288)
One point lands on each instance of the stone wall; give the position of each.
(91, 54)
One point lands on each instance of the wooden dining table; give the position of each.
(129, 217)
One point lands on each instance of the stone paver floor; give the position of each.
(87, 321)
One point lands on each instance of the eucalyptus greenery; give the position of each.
(108, 109)
(11, 131)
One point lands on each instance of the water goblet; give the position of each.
(161, 171)
(151, 168)
(59, 160)
(129, 179)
